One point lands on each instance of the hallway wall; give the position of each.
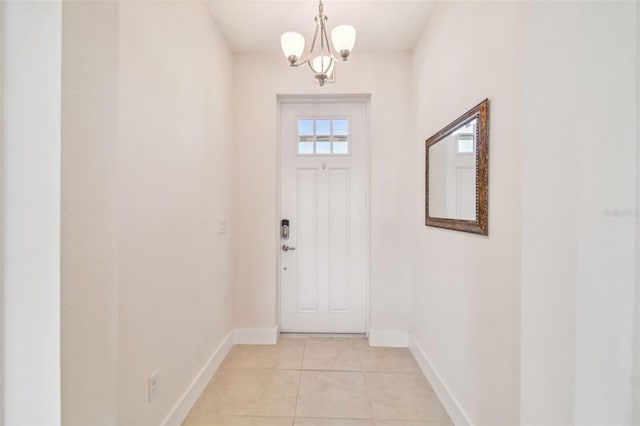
(578, 212)
(386, 77)
(146, 177)
(465, 287)
(175, 115)
(533, 324)
(635, 395)
(89, 290)
(31, 145)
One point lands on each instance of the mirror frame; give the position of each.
(480, 225)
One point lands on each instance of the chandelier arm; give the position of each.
(323, 35)
(330, 51)
(313, 43)
(326, 39)
(336, 59)
(323, 41)
(299, 64)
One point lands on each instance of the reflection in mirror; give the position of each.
(452, 174)
(456, 173)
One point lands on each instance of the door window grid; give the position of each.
(323, 136)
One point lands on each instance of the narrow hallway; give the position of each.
(318, 381)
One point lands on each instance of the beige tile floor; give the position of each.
(318, 381)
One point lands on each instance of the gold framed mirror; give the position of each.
(456, 173)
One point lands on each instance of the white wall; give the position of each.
(465, 290)
(549, 250)
(89, 222)
(535, 326)
(31, 216)
(635, 395)
(146, 283)
(258, 78)
(174, 157)
(578, 254)
(1, 208)
(606, 245)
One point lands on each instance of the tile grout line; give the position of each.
(366, 385)
(366, 391)
(295, 408)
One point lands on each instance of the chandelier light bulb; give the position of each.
(323, 65)
(343, 37)
(292, 46)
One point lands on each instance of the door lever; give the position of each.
(287, 248)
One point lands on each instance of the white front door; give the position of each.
(323, 197)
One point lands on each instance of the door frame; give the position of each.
(364, 98)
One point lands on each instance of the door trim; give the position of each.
(353, 98)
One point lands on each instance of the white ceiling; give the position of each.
(256, 26)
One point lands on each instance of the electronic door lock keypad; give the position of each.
(284, 229)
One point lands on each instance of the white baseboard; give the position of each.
(256, 336)
(457, 414)
(191, 395)
(388, 338)
(241, 336)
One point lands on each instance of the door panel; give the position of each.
(323, 195)
(339, 194)
(307, 242)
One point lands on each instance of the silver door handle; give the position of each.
(287, 248)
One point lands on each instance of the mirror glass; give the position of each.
(457, 173)
(452, 174)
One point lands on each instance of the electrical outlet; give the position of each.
(153, 385)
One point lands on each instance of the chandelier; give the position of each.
(322, 65)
